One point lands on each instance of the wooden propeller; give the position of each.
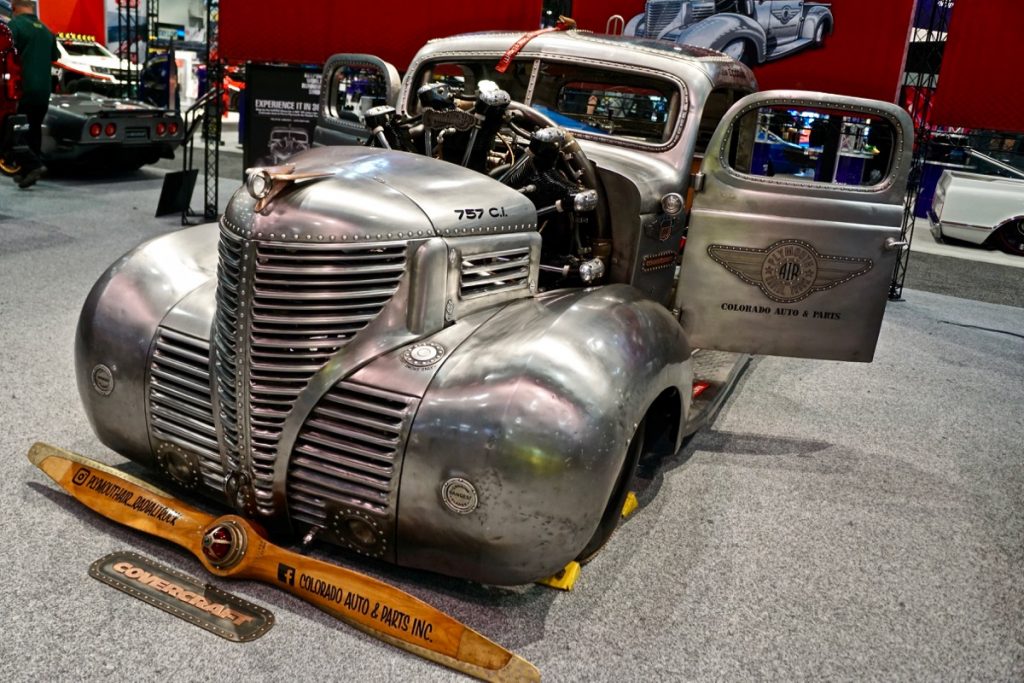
(229, 546)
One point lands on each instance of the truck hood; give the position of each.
(359, 193)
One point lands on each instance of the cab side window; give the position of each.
(354, 89)
(813, 144)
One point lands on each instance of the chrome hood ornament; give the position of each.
(265, 183)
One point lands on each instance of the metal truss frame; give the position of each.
(921, 85)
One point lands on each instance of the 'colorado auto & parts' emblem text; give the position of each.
(789, 270)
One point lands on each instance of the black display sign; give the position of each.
(281, 106)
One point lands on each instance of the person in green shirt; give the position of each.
(37, 48)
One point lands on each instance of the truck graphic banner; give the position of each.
(848, 47)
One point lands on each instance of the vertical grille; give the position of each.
(659, 14)
(180, 402)
(225, 335)
(347, 452)
(496, 271)
(294, 305)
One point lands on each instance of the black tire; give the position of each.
(613, 511)
(1010, 238)
(9, 167)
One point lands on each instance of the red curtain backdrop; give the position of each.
(74, 16)
(863, 57)
(592, 15)
(981, 83)
(311, 31)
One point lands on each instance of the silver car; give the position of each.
(450, 349)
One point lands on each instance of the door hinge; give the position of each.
(697, 181)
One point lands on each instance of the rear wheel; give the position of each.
(1010, 238)
(613, 511)
(819, 35)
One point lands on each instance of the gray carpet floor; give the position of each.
(836, 522)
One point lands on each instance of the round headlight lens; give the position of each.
(672, 204)
(259, 184)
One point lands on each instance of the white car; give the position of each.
(88, 65)
(982, 209)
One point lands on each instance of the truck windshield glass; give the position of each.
(583, 99)
(463, 78)
(813, 143)
(606, 102)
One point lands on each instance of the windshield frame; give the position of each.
(678, 106)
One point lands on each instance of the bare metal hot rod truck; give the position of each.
(449, 346)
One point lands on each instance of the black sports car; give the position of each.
(87, 129)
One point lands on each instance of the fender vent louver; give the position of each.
(658, 15)
(701, 9)
(496, 271)
(180, 405)
(348, 453)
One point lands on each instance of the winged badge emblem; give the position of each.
(784, 14)
(789, 270)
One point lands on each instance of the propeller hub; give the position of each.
(224, 544)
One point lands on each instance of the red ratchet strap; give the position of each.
(564, 24)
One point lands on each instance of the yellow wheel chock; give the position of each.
(630, 506)
(565, 579)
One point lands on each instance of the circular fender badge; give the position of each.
(459, 496)
(423, 355)
(103, 380)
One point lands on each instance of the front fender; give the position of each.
(719, 30)
(118, 324)
(534, 411)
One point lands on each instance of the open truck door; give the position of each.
(795, 226)
(352, 84)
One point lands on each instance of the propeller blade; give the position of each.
(121, 497)
(229, 546)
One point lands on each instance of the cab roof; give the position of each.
(660, 55)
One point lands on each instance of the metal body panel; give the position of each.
(831, 238)
(119, 322)
(375, 194)
(535, 410)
